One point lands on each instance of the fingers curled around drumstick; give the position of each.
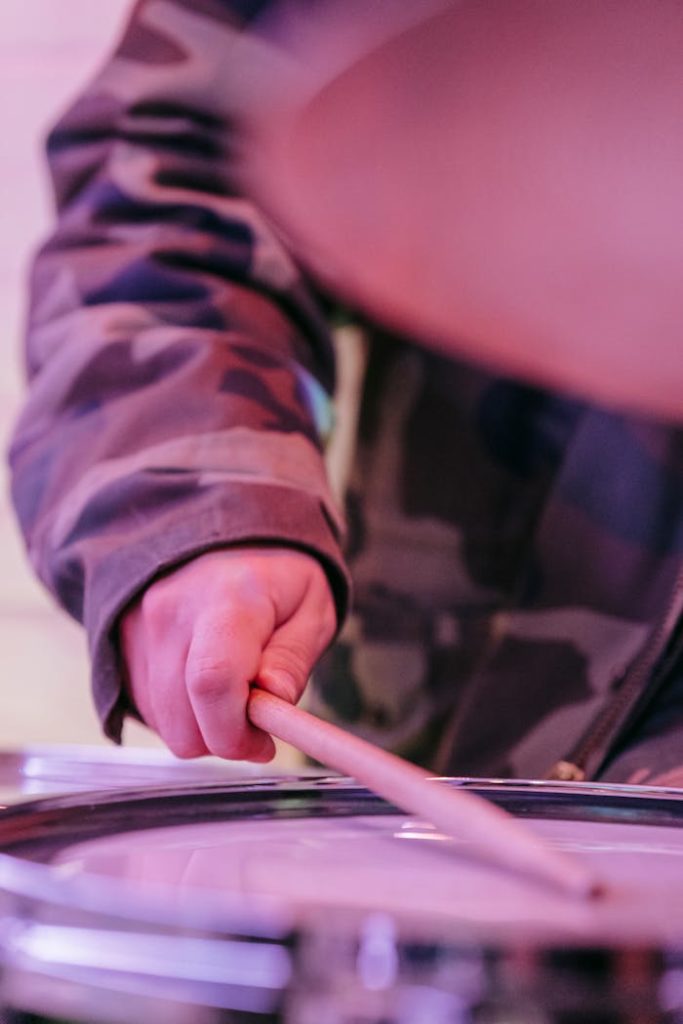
(224, 656)
(197, 638)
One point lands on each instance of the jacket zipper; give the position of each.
(588, 754)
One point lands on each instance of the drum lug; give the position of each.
(565, 771)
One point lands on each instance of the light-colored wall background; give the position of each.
(48, 49)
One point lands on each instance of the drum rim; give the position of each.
(37, 901)
(50, 820)
(31, 772)
(20, 823)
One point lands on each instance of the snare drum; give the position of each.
(41, 770)
(314, 902)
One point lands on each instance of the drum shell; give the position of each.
(87, 952)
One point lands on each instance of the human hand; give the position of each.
(198, 637)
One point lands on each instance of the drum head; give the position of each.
(160, 886)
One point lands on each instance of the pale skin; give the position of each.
(198, 638)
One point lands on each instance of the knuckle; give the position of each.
(158, 607)
(206, 679)
(246, 582)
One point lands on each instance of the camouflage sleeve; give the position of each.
(180, 367)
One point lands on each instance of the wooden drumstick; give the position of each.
(502, 839)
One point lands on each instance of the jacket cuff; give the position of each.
(248, 513)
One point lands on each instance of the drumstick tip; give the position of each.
(595, 890)
(582, 884)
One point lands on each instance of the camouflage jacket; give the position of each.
(515, 553)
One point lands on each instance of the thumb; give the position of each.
(288, 659)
